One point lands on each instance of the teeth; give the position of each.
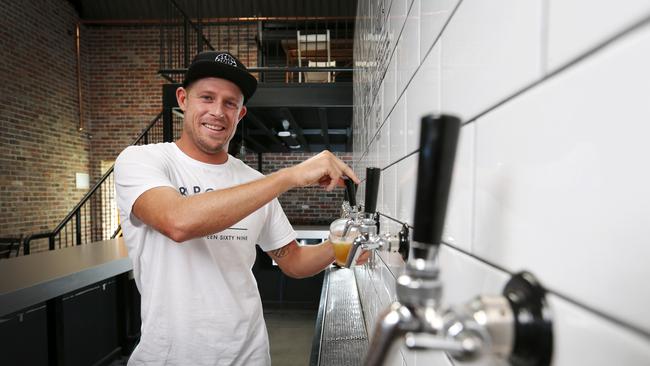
(213, 128)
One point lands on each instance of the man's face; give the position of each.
(213, 107)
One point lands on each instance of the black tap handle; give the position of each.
(438, 140)
(350, 191)
(372, 189)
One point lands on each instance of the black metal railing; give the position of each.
(9, 245)
(275, 49)
(180, 39)
(95, 217)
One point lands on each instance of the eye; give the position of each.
(206, 98)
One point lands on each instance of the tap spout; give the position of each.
(391, 328)
(354, 249)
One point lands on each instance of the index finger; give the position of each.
(348, 172)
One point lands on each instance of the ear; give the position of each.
(242, 112)
(181, 97)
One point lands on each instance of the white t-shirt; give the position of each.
(200, 303)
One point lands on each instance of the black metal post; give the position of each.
(169, 102)
(78, 225)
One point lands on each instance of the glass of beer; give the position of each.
(342, 234)
(341, 251)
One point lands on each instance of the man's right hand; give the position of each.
(323, 169)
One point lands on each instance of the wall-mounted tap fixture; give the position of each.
(349, 207)
(368, 238)
(514, 325)
(404, 243)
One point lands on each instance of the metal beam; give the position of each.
(322, 116)
(305, 132)
(324, 95)
(295, 127)
(348, 142)
(259, 124)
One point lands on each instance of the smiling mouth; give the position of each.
(213, 127)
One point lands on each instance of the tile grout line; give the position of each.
(567, 66)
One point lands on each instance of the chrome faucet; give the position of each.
(368, 222)
(515, 325)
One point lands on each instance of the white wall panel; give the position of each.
(390, 88)
(406, 181)
(562, 183)
(397, 125)
(389, 177)
(408, 48)
(422, 97)
(579, 25)
(433, 16)
(397, 18)
(490, 50)
(458, 223)
(582, 338)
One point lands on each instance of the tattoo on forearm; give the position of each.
(279, 253)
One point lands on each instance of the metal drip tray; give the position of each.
(341, 338)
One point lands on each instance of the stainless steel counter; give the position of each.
(341, 338)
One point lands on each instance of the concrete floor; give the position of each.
(290, 335)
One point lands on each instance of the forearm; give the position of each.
(183, 218)
(216, 211)
(310, 260)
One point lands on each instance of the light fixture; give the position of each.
(287, 136)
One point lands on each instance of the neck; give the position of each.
(191, 150)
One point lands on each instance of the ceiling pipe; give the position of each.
(207, 20)
(81, 127)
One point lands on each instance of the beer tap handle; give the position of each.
(351, 192)
(372, 189)
(438, 140)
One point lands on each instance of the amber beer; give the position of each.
(341, 250)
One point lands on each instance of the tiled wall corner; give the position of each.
(550, 171)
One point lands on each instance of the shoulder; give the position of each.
(138, 152)
(243, 168)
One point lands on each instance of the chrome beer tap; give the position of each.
(349, 209)
(368, 238)
(514, 325)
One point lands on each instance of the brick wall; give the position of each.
(40, 147)
(124, 88)
(303, 206)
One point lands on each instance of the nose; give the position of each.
(217, 111)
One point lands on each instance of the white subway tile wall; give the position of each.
(550, 172)
(578, 26)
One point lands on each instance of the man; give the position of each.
(192, 215)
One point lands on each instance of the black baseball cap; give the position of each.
(221, 64)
